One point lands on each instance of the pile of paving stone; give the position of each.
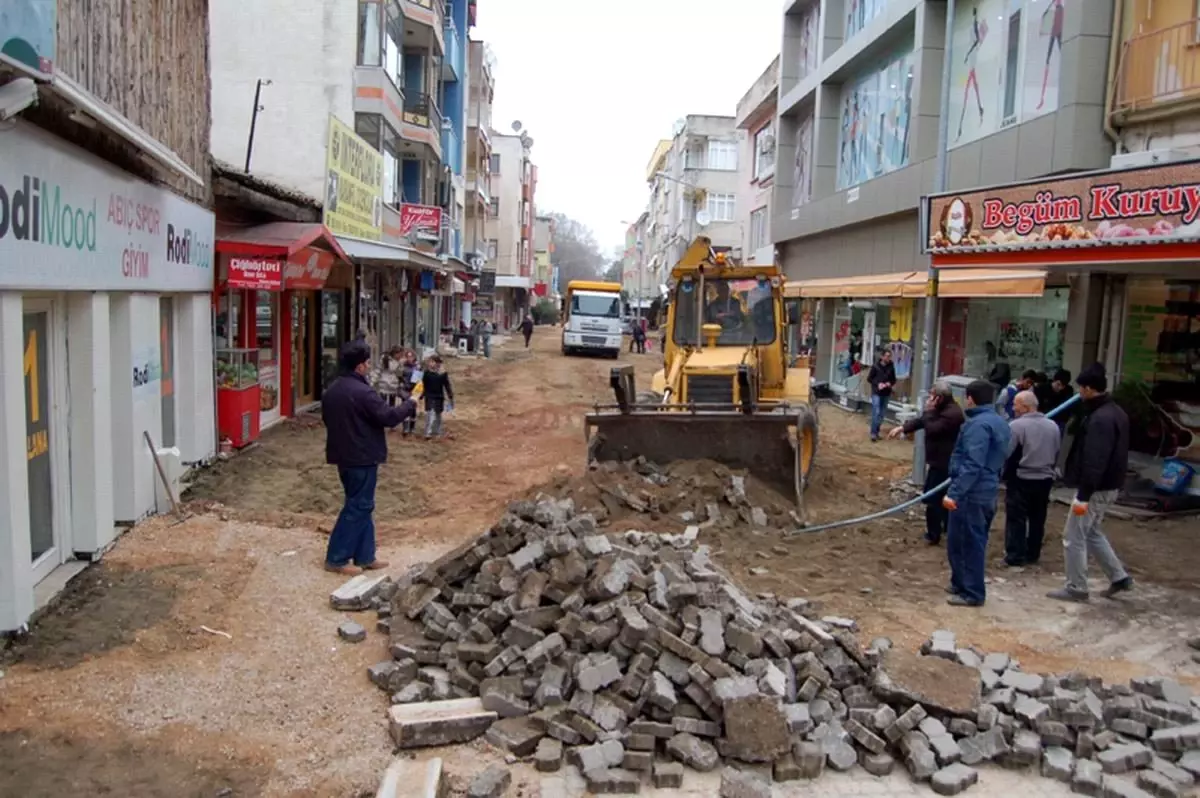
(631, 657)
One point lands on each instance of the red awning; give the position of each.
(279, 239)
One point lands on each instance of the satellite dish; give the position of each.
(703, 218)
(516, 126)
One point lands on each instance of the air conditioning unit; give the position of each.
(1133, 160)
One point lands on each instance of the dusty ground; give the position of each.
(121, 691)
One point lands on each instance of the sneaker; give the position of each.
(1067, 594)
(1119, 586)
(960, 601)
(343, 570)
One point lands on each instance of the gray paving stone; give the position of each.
(743, 784)
(1058, 764)
(1088, 778)
(953, 779)
(1158, 785)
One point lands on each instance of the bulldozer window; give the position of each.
(745, 309)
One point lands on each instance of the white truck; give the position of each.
(592, 318)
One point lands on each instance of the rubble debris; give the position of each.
(352, 632)
(632, 657)
(405, 778)
(490, 783)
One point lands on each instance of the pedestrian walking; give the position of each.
(485, 335)
(439, 395)
(1096, 467)
(527, 329)
(638, 342)
(409, 372)
(882, 378)
(1029, 475)
(975, 467)
(388, 380)
(355, 417)
(941, 422)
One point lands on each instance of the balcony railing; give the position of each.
(1159, 67)
(478, 182)
(420, 109)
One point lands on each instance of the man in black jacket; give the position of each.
(1096, 467)
(941, 421)
(439, 395)
(882, 377)
(355, 418)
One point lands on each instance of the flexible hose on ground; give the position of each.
(915, 500)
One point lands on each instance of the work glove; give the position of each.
(1078, 507)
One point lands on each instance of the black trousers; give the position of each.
(1025, 507)
(937, 517)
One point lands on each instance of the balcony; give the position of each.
(478, 182)
(427, 20)
(422, 121)
(1159, 68)
(453, 64)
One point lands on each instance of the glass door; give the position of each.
(267, 339)
(303, 314)
(40, 432)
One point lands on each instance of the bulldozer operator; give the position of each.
(724, 309)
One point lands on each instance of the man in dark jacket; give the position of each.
(355, 417)
(439, 396)
(1059, 393)
(527, 329)
(941, 421)
(882, 378)
(1096, 467)
(975, 468)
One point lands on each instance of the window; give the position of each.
(494, 165)
(720, 207)
(745, 309)
(369, 127)
(493, 248)
(683, 208)
(393, 55)
(494, 208)
(525, 213)
(764, 152)
(722, 155)
(605, 307)
(760, 233)
(370, 35)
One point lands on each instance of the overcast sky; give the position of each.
(597, 83)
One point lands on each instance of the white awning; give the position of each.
(361, 249)
(457, 286)
(512, 281)
(111, 120)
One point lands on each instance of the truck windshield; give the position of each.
(607, 307)
(744, 308)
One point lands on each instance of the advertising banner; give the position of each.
(308, 269)
(89, 226)
(28, 30)
(258, 274)
(417, 221)
(1156, 204)
(353, 184)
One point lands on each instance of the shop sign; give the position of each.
(1151, 205)
(308, 269)
(30, 28)
(353, 184)
(421, 221)
(89, 226)
(258, 274)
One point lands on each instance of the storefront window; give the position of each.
(266, 328)
(1160, 368)
(1001, 338)
(229, 314)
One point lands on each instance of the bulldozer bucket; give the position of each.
(775, 446)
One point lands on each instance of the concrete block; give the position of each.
(667, 775)
(549, 755)
(405, 778)
(879, 765)
(614, 781)
(953, 779)
(1158, 785)
(693, 752)
(1088, 778)
(490, 783)
(518, 736)
(1058, 764)
(438, 722)
(742, 784)
(356, 594)
(1124, 758)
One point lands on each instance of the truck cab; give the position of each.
(592, 318)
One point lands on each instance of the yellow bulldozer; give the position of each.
(727, 391)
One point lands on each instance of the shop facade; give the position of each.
(277, 315)
(1123, 247)
(122, 269)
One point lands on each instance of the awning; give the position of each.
(111, 120)
(512, 281)
(457, 286)
(361, 249)
(897, 284)
(967, 283)
(279, 239)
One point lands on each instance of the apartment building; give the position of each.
(477, 249)
(756, 120)
(394, 73)
(702, 163)
(509, 227)
(860, 97)
(120, 266)
(657, 235)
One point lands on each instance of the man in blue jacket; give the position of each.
(975, 468)
(355, 418)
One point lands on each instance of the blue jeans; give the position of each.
(487, 346)
(878, 406)
(966, 546)
(353, 536)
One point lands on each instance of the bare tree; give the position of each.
(613, 273)
(576, 252)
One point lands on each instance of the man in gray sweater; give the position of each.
(1029, 475)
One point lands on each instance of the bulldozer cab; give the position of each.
(725, 392)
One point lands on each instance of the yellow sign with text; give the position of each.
(353, 184)
(900, 322)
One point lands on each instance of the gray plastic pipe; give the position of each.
(910, 502)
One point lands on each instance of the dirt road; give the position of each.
(201, 659)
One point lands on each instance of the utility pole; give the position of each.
(254, 119)
(929, 334)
